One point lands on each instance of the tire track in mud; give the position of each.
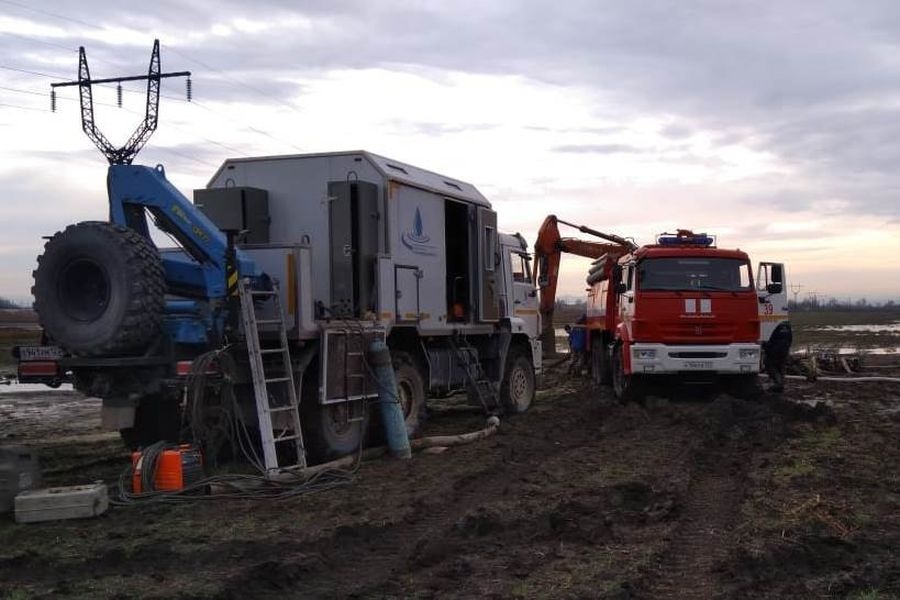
(700, 542)
(732, 432)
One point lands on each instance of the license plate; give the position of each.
(28, 353)
(698, 364)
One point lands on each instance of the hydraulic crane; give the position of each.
(548, 251)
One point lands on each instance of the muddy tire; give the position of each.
(627, 388)
(155, 419)
(518, 387)
(600, 372)
(745, 387)
(410, 392)
(99, 290)
(329, 432)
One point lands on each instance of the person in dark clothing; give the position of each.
(775, 355)
(577, 346)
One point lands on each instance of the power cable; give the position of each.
(23, 107)
(179, 53)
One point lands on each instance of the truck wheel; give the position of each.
(99, 289)
(517, 389)
(746, 387)
(599, 363)
(155, 419)
(410, 392)
(625, 387)
(329, 431)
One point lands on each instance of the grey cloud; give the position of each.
(598, 149)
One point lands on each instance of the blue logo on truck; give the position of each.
(416, 239)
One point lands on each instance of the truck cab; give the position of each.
(682, 308)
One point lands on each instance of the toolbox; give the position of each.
(57, 503)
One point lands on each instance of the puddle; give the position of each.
(30, 388)
(866, 328)
(887, 350)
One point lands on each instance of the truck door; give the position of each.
(524, 296)
(771, 286)
(353, 221)
(406, 284)
(488, 263)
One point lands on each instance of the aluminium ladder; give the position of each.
(265, 382)
(485, 390)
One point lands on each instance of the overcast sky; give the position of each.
(771, 124)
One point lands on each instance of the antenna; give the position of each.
(125, 154)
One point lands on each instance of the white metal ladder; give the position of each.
(263, 382)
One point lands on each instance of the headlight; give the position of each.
(644, 354)
(746, 353)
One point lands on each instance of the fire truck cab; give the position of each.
(681, 307)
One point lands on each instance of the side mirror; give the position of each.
(617, 272)
(774, 288)
(621, 287)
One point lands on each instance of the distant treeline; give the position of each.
(6, 304)
(829, 303)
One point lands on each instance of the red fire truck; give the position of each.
(681, 310)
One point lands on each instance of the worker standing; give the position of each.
(577, 346)
(776, 352)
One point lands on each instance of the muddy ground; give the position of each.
(579, 498)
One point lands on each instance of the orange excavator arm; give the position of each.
(548, 251)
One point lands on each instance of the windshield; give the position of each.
(686, 274)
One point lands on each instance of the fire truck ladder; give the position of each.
(467, 357)
(265, 382)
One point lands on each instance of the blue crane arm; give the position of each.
(199, 268)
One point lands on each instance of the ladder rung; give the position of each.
(277, 379)
(285, 438)
(278, 409)
(271, 350)
(263, 292)
(268, 321)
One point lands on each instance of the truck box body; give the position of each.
(372, 234)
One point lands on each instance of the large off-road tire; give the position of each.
(518, 387)
(99, 290)
(626, 387)
(600, 368)
(410, 392)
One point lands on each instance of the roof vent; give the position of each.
(455, 186)
(396, 168)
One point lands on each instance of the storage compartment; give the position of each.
(237, 209)
(53, 504)
(19, 471)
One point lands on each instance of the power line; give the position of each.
(193, 102)
(50, 14)
(23, 107)
(234, 81)
(175, 50)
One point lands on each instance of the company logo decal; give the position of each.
(416, 239)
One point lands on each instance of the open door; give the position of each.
(488, 265)
(771, 286)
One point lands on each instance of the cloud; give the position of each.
(766, 111)
(597, 149)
